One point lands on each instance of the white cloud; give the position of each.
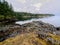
(29, 5)
(48, 0)
(24, 9)
(38, 1)
(37, 9)
(22, 1)
(15, 9)
(37, 6)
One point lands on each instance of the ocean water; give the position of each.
(54, 20)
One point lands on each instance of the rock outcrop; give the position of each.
(43, 31)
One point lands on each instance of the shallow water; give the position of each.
(54, 20)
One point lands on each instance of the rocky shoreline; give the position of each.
(38, 27)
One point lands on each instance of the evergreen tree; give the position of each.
(6, 9)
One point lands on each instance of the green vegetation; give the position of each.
(6, 10)
(8, 14)
(25, 16)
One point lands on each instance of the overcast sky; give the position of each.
(36, 6)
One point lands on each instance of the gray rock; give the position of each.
(38, 27)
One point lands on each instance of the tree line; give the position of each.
(7, 13)
(6, 10)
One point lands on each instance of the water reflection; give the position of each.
(54, 20)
